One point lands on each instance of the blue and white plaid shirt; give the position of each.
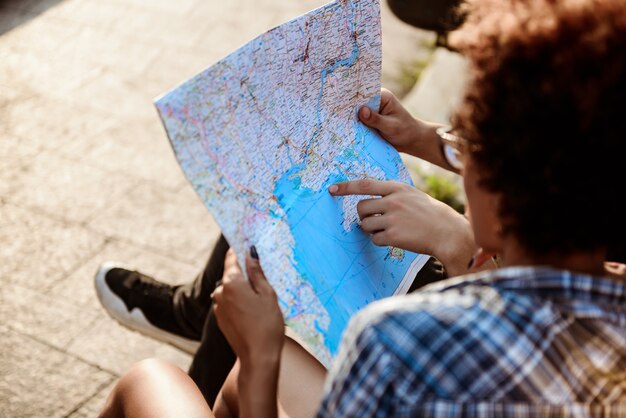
(515, 342)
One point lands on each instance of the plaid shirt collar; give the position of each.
(563, 286)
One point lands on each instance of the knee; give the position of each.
(149, 370)
(150, 367)
(141, 380)
(142, 376)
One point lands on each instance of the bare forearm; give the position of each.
(459, 248)
(451, 239)
(426, 144)
(258, 388)
(406, 133)
(457, 252)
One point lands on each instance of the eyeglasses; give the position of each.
(453, 147)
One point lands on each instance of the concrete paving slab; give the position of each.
(148, 26)
(53, 124)
(68, 189)
(32, 372)
(174, 223)
(28, 35)
(78, 287)
(123, 55)
(16, 152)
(93, 406)
(153, 87)
(54, 321)
(16, 156)
(38, 250)
(10, 172)
(100, 14)
(179, 8)
(115, 348)
(136, 148)
(174, 65)
(11, 93)
(41, 73)
(112, 93)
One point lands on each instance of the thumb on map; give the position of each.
(370, 118)
(257, 278)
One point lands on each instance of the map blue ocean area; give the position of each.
(263, 133)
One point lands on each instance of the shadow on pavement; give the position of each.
(13, 13)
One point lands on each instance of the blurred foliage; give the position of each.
(441, 187)
(444, 190)
(410, 71)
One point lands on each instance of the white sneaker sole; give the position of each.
(135, 319)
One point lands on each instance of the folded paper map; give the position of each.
(261, 135)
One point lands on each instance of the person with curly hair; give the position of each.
(540, 141)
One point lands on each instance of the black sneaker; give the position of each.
(142, 304)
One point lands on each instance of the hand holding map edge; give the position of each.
(404, 132)
(394, 123)
(248, 313)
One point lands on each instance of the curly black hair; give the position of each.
(547, 102)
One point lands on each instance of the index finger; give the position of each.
(366, 187)
(230, 259)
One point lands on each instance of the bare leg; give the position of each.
(155, 388)
(226, 405)
(299, 387)
(301, 381)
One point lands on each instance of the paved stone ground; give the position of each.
(87, 175)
